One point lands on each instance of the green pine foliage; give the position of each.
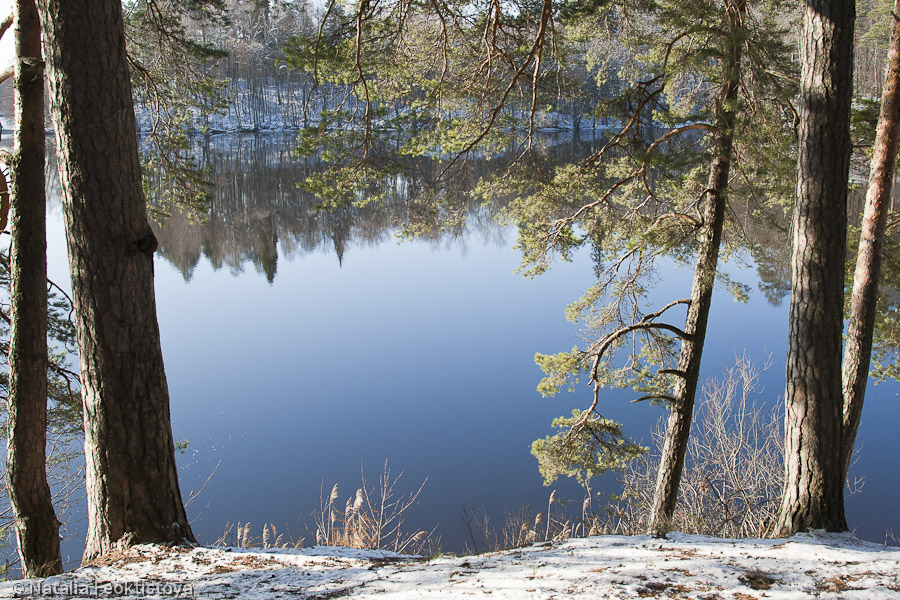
(172, 81)
(874, 22)
(635, 202)
(642, 187)
(451, 80)
(444, 80)
(586, 446)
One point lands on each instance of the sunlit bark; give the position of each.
(813, 489)
(682, 407)
(858, 347)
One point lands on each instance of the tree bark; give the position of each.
(37, 528)
(813, 490)
(681, 413)
(132, 483)
(858, 346)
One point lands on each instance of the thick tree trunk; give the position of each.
(132, 482)
(813, 488)
(858, 347)
(37, 529)
(681, 412)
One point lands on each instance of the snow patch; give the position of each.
(810, 565)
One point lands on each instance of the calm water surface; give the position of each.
(301, 348)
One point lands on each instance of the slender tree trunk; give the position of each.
(132, 483)
(679, 424)
(37, 528)
(858, 347)
(813, 488)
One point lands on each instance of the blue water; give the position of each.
(420, 353)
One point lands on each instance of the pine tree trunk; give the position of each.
(681, 412)
(132, 483)
(37, 528)
(813, 488)
(858, 347)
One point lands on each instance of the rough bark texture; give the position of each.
(858, 347)
(132, 484)
(813, 489)
(37, 528)
(681, 413)
(4, 202)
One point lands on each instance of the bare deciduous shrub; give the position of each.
(730, 486)
(734, 468)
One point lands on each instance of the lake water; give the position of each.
(300, 347)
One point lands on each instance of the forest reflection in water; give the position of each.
(259, 214)
(302, 343)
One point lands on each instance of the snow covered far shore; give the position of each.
(813, 565)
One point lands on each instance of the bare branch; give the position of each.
(533, 54)
(665, 397)
(677, 372)
(193, 495)
(646, 323)
(641, 325)
(6, 24)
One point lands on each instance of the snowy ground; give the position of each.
(804, 566)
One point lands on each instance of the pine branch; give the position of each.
(646, 323)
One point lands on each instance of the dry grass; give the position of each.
(241, 536)
(372, 518)
(519, 527)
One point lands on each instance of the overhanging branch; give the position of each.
(646, 323)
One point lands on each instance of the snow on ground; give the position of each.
(814, 565)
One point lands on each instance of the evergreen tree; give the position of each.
(132, 483)
(651, 201)
(37, 528)
(814, 457)
(700, 82)
(172, 81)
(863, 304)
